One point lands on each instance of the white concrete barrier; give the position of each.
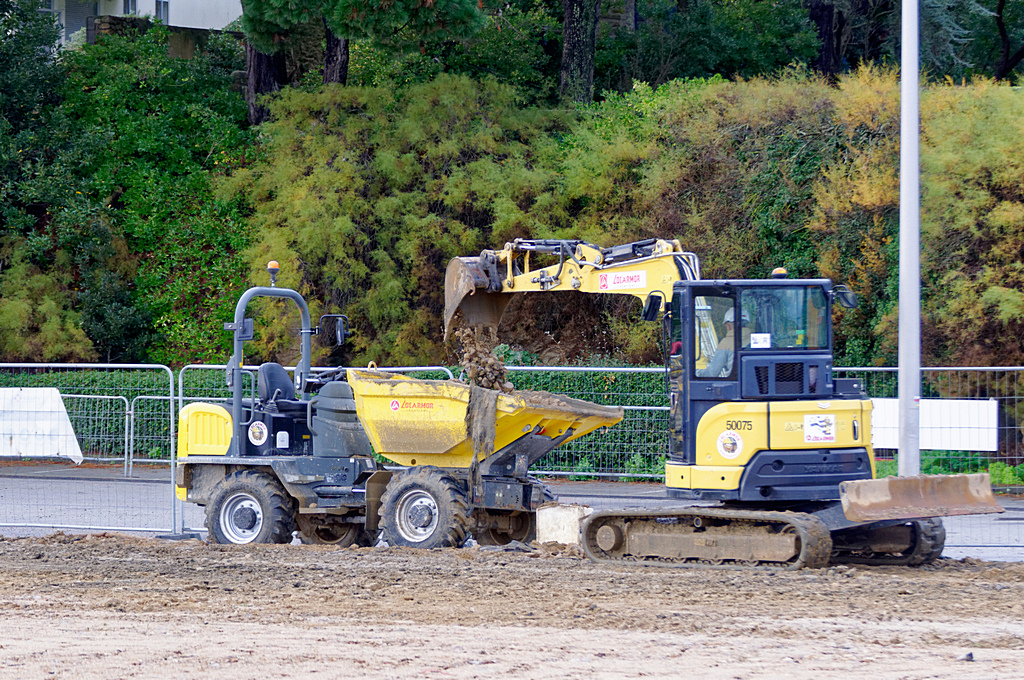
(35, 424)
(561, 523)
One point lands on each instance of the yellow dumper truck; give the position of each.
(304, 452)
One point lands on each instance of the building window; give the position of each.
(131, 7)
(163, 10)
(48, 7)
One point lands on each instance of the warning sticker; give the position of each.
(819, 428)
(622, 280)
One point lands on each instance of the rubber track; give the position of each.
(931, 539)
(815, 539)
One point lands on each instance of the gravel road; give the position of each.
(115, 606)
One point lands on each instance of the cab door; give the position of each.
(707, 372)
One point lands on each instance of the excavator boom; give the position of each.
(478, 286)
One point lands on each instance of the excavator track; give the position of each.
(707, 538)
(910, 544)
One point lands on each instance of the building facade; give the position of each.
(72, 15)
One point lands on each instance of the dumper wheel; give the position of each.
(250, 507)
(424, 508)
(524, 530)
(320, 531)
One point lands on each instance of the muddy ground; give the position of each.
(123, 607)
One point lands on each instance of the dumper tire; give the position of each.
(424, 507)
(314, 531)
(250, 507)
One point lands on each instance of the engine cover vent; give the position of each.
(779, 376)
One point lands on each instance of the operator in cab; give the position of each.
(720, 365)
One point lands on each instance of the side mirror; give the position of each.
(340, 329)
(846, 297)
(652, 305)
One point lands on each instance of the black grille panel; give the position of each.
(762, 379)
(789, 378)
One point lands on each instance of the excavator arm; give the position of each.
(478, 286)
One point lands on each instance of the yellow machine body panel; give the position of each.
(423, 422)
(730, 433)
(812, 424)
(678, 475)
(716, 476)
(203, 430)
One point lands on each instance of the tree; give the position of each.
(704, 37)
(1007, 62)
(335, 57)
(272, 26)
(30, 81)
(579, 42)
(823, 15)
(401, 23)
(29, 74)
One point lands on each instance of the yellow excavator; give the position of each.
(769, 454)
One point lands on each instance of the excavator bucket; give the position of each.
(465, 287)
(872, 500)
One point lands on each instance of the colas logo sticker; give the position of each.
(819, 428)
(622, 280)
(419, 405)
(258, 433)
(730, 444)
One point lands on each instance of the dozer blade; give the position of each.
(873, 500)
(465, 287)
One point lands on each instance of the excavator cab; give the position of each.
(756, 414)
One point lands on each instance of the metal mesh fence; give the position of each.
(635, 448)
(117, 416)
(982, 430)
(66, 424)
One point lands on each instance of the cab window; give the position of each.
(785, 317)
(715, 335)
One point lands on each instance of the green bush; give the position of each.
(126, 239)
(885, 468)
(1005, 475)
(367, 193)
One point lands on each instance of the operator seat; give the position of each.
(276, 392)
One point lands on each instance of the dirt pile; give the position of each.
(477, 358)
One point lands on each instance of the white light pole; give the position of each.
(909, 352)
